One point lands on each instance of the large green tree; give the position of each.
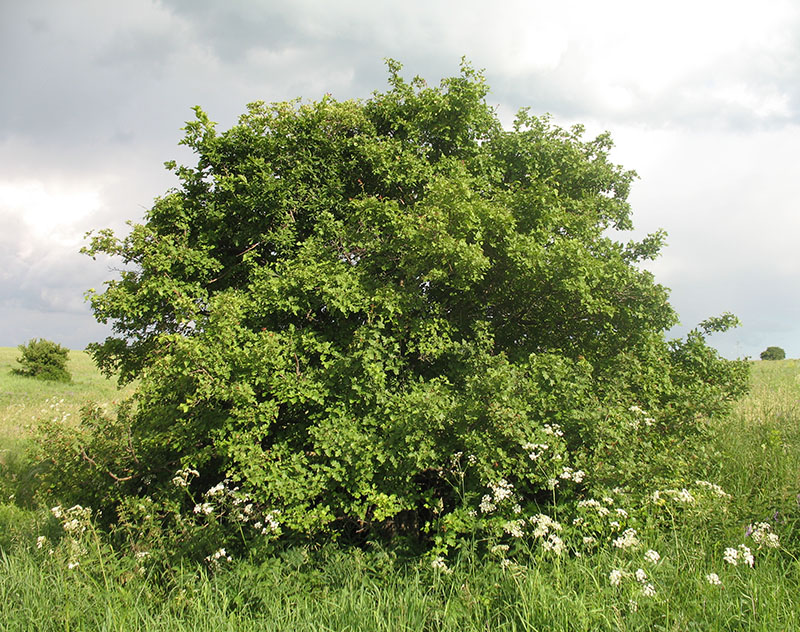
(344, 303)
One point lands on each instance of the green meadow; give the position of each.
(728, 565)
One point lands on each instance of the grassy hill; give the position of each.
(24, 399)
(754, 456)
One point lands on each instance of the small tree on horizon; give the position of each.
(773, 353)
(44, 360)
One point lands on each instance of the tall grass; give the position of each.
(754, 455)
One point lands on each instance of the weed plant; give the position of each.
(717, 551)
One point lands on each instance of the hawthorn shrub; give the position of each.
(44, 360)
(392, 315)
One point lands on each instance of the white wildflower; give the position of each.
(40, 541)
(641, 576)
(487, 506)
(713, 579)
(771, 541)
(746, 555)
(535, 450)
(554, 543)
(219, 487)
(589, 540)
(627, 540)
(714, 488)
(685, 496)
(72, 565)
(502, 490)
(516, 509)
(439, 564)
(761, 532)
(648, 590)
(553, 429)
(652, 556)
(219, 554)
(181, 478)
(272, 521)
(543, 524)
(499, 548)
(656, 497)
(56, 511)
(621, 512)
(731, 556)
(514, 528)
(615, 577)
(203, 508)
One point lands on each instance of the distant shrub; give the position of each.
(773, 353)
(44, 360)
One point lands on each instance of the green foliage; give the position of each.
(773, 353)
(44, 360)
(393, 315)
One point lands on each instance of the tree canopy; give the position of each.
(773, 353)
(344, 304)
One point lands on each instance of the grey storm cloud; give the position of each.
(701, 98)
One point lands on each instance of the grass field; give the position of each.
(23, 400)
(754, 455)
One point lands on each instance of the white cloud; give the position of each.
(49, 211)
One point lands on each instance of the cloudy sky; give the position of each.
(702, 98)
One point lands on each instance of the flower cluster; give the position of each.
(714, 488)
(181, 478)
(440, 565)
(576, 476)
(591, 503)
(627, 540)
(553, 429)
(640, 417)
(762, 535)
(535, 450)
(742, 554)
(218, 556)
(74, 520)
(652, 556)
(224, 501)
(514, 528)
(500, 491)
(545, 528)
